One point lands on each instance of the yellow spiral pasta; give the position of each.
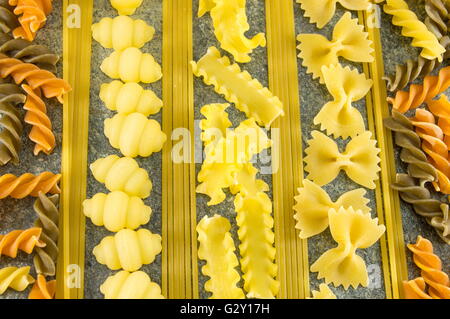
(126, 7)
(117, 211)
(122, 174)
(128, 249)
(134, 134)
(122, 32)
(131, 65)
(15, 278)
(129, 98)
(125, 285)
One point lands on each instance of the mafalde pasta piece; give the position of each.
(413, 28)
(217, 249)
(324, 292)
(321, 12)
(415, 289)
(230, 25)
(15, 278)
(359, 160)
(46, 209)
(339, 118)
(351, 230)
(125, 285)
(8, 20)
(238, 87)
(441, 109)
(313, 203)
(215, 124)
(130, 97)
(128, 249)
(246, 182)
(122, 174)
(32, 16)
(257, 249)
(126, 7)
(349, 41)
(122, 32)
(43, 289)
(134, 134)
(10, 123)
(29, 185)
(131, 65)
(117, 211)
(24, 240)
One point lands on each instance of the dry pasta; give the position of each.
(125, 285)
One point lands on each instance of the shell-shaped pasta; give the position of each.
(359, 160)
(215, 124)
(352, 230)
(313, 203)
(126, 7)
(117, 211)
(131, 65)
(129, 98)
(122, 174)
(217, 249)
(134, 134)
(43, 289)
(122, 32)
(125, 285)
(323, 293)
(15, 278)
(128, 249)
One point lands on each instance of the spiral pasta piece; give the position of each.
(33, 15)
(437, 17)
(46, 209)
(415, 289)
(431, 268)
(43, 289)
(131, 65)
(129, 98)
(29, 185)
(128, 249)
(414, 28)
(441, 109)
(24, 240)
(10, 134)
(117, 211)
(126, 7)
(15, 278)
(134, 134)
(122, 174)
(8, 20)
(125, 285)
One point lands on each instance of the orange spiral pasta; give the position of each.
(415, 289)
(36, 78)
(33, 15)
(43, 289)
(24, 240)
(431, 268)
(29, 185)
(417, 94)
(441, 109)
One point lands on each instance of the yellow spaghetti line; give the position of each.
(292, 252)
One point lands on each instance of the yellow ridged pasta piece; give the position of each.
(217, 249)
(131, 65)
(126, 285)
(128, 249)
(246, 182)
(323, 293)
(122, 174)
(15, 278)
(117, 211)
(134, 134)
(126, 7)
(215, 126)
(129, 98)
(122, 32)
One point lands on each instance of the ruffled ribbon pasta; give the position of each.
(215, 124)
(339, 118)
(349, 41)
(359, 160)
(352, 230)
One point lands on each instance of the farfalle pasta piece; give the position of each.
(8, 20)
(313, 203)
(15, 278)
(238, 87)
(126, 7)
(125, 285)
(349, 41)
(131, 65)
(134, 134)
(351, 230)
(32, 16)
(339, 118)
(414, 28)
(441, 109)
(29, 185)
(324, 292)
(11, 132)
(117, 211)
(24, 240)
(415, 289)
(215, 124)
(217, 249)
(43, 289)
(431, 268)
(122, 174)
(230, 25)
(122, 32)
(128, 249)
(359, 160)
(128, 98)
